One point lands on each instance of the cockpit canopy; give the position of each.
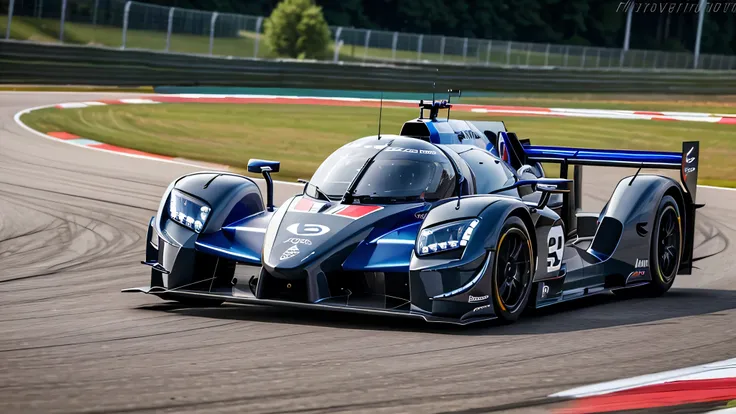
(389, 169)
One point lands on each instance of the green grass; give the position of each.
(231, 134)
(47, 30)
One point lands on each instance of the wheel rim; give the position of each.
(513, 269)
(668, 244)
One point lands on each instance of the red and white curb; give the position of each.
(713, 384)
(488, 109)
(89, 143)
(71, 139)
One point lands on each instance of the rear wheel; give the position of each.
(666, 248)
(512, 270)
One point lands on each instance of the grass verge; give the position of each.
(301, 136)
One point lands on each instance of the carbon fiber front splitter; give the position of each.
(242, 297)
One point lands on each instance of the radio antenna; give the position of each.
(380, 113)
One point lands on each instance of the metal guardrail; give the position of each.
(132, 24)
(29, 63)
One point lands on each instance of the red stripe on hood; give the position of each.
(357, 211)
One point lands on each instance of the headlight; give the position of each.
(445, 237)
(188, 211)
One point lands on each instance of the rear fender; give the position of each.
(625, 230)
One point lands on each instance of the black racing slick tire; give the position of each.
(666, 247)
(512, 272)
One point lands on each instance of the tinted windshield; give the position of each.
(337, 172)
(407, 179)
(408, 169)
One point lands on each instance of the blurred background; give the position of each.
(600, 34)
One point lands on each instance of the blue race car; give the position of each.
(449, 221)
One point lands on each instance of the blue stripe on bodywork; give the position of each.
(239, 255)
(390, 252)
(434, 135)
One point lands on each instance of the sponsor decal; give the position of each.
(688, 158)
(640, 270)
(289, 253)
(299, 229)
(421, 215)
(473, 299)
(410, 150)
(545, 290)
(688, 170)
(479, 308)
(636, 274)
(296, 240)
(467, 134)
(556, 244)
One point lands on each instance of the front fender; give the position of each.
(457, 280)
(492, 210)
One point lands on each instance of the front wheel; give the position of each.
(512, 270)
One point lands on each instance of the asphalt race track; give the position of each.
(72, 224)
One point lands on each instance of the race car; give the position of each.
(449, 221)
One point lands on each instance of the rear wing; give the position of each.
(519, 152)
(522, 152)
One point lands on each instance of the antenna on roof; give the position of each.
(380, 113)
(451, 92)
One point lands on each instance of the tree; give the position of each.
(297, 29)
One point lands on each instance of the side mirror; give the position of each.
(553, 185)
(550, 186)
(546, 185)
(266, 168)
(256, 166)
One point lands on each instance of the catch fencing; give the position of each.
(133, 25)
(36, 63)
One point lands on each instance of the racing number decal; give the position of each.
(556, 244)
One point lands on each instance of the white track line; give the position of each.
(715, 370)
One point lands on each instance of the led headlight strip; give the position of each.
(445, 237)
(188, 211)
